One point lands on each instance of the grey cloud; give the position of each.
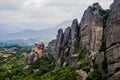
(11, 4)
(28, 13)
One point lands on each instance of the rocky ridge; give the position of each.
(95, 40)
(35, 53)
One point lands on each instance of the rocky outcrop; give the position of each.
(65, 45)
(58, 46)
(91, 28)
(38, 49)
(51, 48)
(81, 75)
(91, 33)
(36, 52)
(97, 38)
(116, 76)
(74, 62)
(29, 58)
(74, 35)
(67, 36)
(113, 58)
(113, 25)
(100, 58)
(112, 37)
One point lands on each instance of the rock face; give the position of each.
(74, 62)
(74, 35)
(82, 75)
(113, 58)
(91, 29)
(67, 36)
(113, 25)
(116, 76)
(51, 48)
(38, 49)
(31, 57)
(112, 35)
(36, 52)
(58, 48)
(100, 57)
(91, 32)
(65, 44)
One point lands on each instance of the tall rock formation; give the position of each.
(91, 28)
(67, 36)
(58, 45)
(74, 35)
(112, 35)
(65, 44)
(91, 33)
(51, 48)
(113, 25)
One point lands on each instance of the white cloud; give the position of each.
(36, 4)
(39, 14)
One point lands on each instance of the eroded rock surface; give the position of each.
(112, 32)
(91, 28)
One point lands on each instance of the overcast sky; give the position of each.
(39, 14)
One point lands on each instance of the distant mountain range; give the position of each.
(6, 29)
(30, 36)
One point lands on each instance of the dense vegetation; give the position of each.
(84, 63)
(13, 64)
(44, 64)
(96, 74)
(65, 73)
(11, 68)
